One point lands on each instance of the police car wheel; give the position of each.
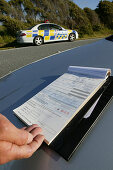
(38, 40)
(72, 37)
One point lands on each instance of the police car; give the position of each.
(46, 32)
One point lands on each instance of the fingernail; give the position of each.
(30, 138)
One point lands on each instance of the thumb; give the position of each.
(17, 136)
(22, 137)
(9, 133)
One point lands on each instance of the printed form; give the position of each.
(54, 106)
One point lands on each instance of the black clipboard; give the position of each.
(73, 134)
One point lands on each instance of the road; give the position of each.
(13, 59)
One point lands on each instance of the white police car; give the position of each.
(46, 32)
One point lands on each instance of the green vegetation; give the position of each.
(5, 37)
(21, 14)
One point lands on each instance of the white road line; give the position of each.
(10, 72)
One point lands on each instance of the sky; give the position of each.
(87, 3)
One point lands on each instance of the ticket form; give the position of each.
(54, 106)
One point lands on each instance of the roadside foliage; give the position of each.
(21, 14)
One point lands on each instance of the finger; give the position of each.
(36, 143)
(36, 131)
(33, 130)
(30, 128)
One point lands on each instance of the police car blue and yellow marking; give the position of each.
(34, 35)
(48, 34)
(35, 30)
(61, 36)
(52, 37)
(29, 34)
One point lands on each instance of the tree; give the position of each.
(5, 8)
(16, 14)
(12, 25)
(105, 12)
(79, 19)
(93, 18)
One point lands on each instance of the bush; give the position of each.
(8, 39)
(97, 27)
(12, 25)
(4, 37)
(105, 12)
(1, 40)
(86, 29)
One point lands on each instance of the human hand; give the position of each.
(18, 143)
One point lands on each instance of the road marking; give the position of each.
(10, 72)
(59, 52)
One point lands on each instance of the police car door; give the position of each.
(62, 34)
(43, 30)
(58, 32)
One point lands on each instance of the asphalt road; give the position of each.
(13, 59)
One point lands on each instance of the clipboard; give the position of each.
(75, 132)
